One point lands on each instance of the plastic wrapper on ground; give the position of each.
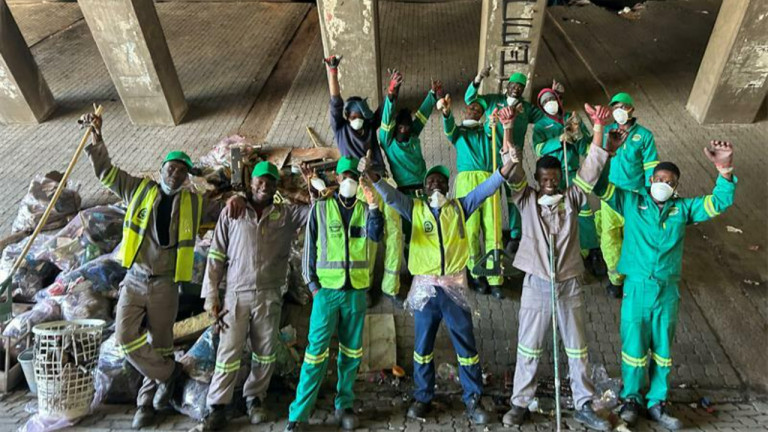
(200, 361)
(192, 402)
(94, 232)
(40, 423)
(423, 288)
(86, 305)
(39, 194)
(45, 311)
(607, 389)
(115, 380)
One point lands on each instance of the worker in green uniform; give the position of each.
(630, 170)
(565, 137)
(652, 257)
(474, 162)
(528, 114)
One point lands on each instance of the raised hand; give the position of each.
(558, 87)
(507, 115)
(332, 62)
(370, 197)
(92, 121)
(720, 153)
(437, 88)
(366, 168)
(483, 74)
(616, 139)
(395, 81)
(444, 105)
(598, 114)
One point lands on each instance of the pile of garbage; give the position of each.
(72, 272)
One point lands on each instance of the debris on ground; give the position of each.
(39, 195)
(733, 230)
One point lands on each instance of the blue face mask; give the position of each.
(167, 189)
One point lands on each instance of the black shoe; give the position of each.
(587, 416)
(257, 414)
(515, 416)
(145, 416)
(596, 264)
(512, 246)
(216, 419)
(615, 291)
(165, 389)
(397, 302)
(475, 412)
(347, 418)
(629, 412)
(497, 293)
(292, 427)
(660, 415)
(419, 410)
(479, 284)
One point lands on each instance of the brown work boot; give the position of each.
(165, 389)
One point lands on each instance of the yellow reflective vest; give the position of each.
(137, 221)
(334, 243)
(438, 254)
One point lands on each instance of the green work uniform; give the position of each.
(530, 114)
(474, 162)
(652, 260)
(630, 170)
(405, 158)
(554, 147)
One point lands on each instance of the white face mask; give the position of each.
(317, 183)
(621, 116)
(470, 123)
(661, 191)
(551, 107)
(549, 200)
(348, 188)
(437, 200)
(511, 101)
(167, 189)
(357, 124)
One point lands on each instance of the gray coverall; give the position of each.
(254, 252)
(562, 220)
(148, 289)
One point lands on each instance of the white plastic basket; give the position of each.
(66, 353)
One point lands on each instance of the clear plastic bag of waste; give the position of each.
(423, 288)
(33, 205)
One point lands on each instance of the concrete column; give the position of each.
(24, 94)
(510, 32)
(351, 28)
(732, 82)
(132, 44)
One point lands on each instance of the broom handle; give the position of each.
(558, 414)
(59, 190)
(495, 203)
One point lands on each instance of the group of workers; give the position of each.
(408, 209)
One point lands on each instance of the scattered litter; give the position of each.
(448, 372)
(42, 312)
(703, 12)
(607, 388)
(754, 248)
(398, 371)
(751, 282)
(579, 3)
(572, 20)
(39, 195)
(706, 404)
(734, 230)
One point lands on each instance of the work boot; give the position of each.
(479, 284)
(256, 412)
(419, 410)
(596, 264)
(515, 416)
(347, 418)
(629, 412)
(475, 412)
(587, 416)
(660, 415)
(292, 427)
(397, 302)
(496, 292)
(145, 416)
(166, 388)
(615, 291)
(216, 419)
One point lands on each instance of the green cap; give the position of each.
(440, 169)
(519, 78)
(624, 98)
(179, 156)
(347, 164)
(480, 101)
(265, 168)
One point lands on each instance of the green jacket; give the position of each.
(548, 128)
(653, 237)
(473, 147)
(530, 114)
(405, 159)
(554, 147)
(635, 160)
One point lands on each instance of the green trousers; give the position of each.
(481, 221)
(611, 225)
(342, 310)
(648, 323)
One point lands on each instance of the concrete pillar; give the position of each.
(732, 82)
(510, 32)
(132, 44)
(351, 28)
(24, 94)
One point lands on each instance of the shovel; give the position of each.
(6, 305)
(500, 260)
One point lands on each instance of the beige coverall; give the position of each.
(254, 252)
(149, 290)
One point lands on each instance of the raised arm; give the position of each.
(517, 182)
(309, 258)
(336, 106)
(591, 169)
(471, 94)
(425, 110)
(650, 157)
(387, 127)
(449, 123)
(391, 196)
(720, 153)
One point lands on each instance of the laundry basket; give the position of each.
(66, 353)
